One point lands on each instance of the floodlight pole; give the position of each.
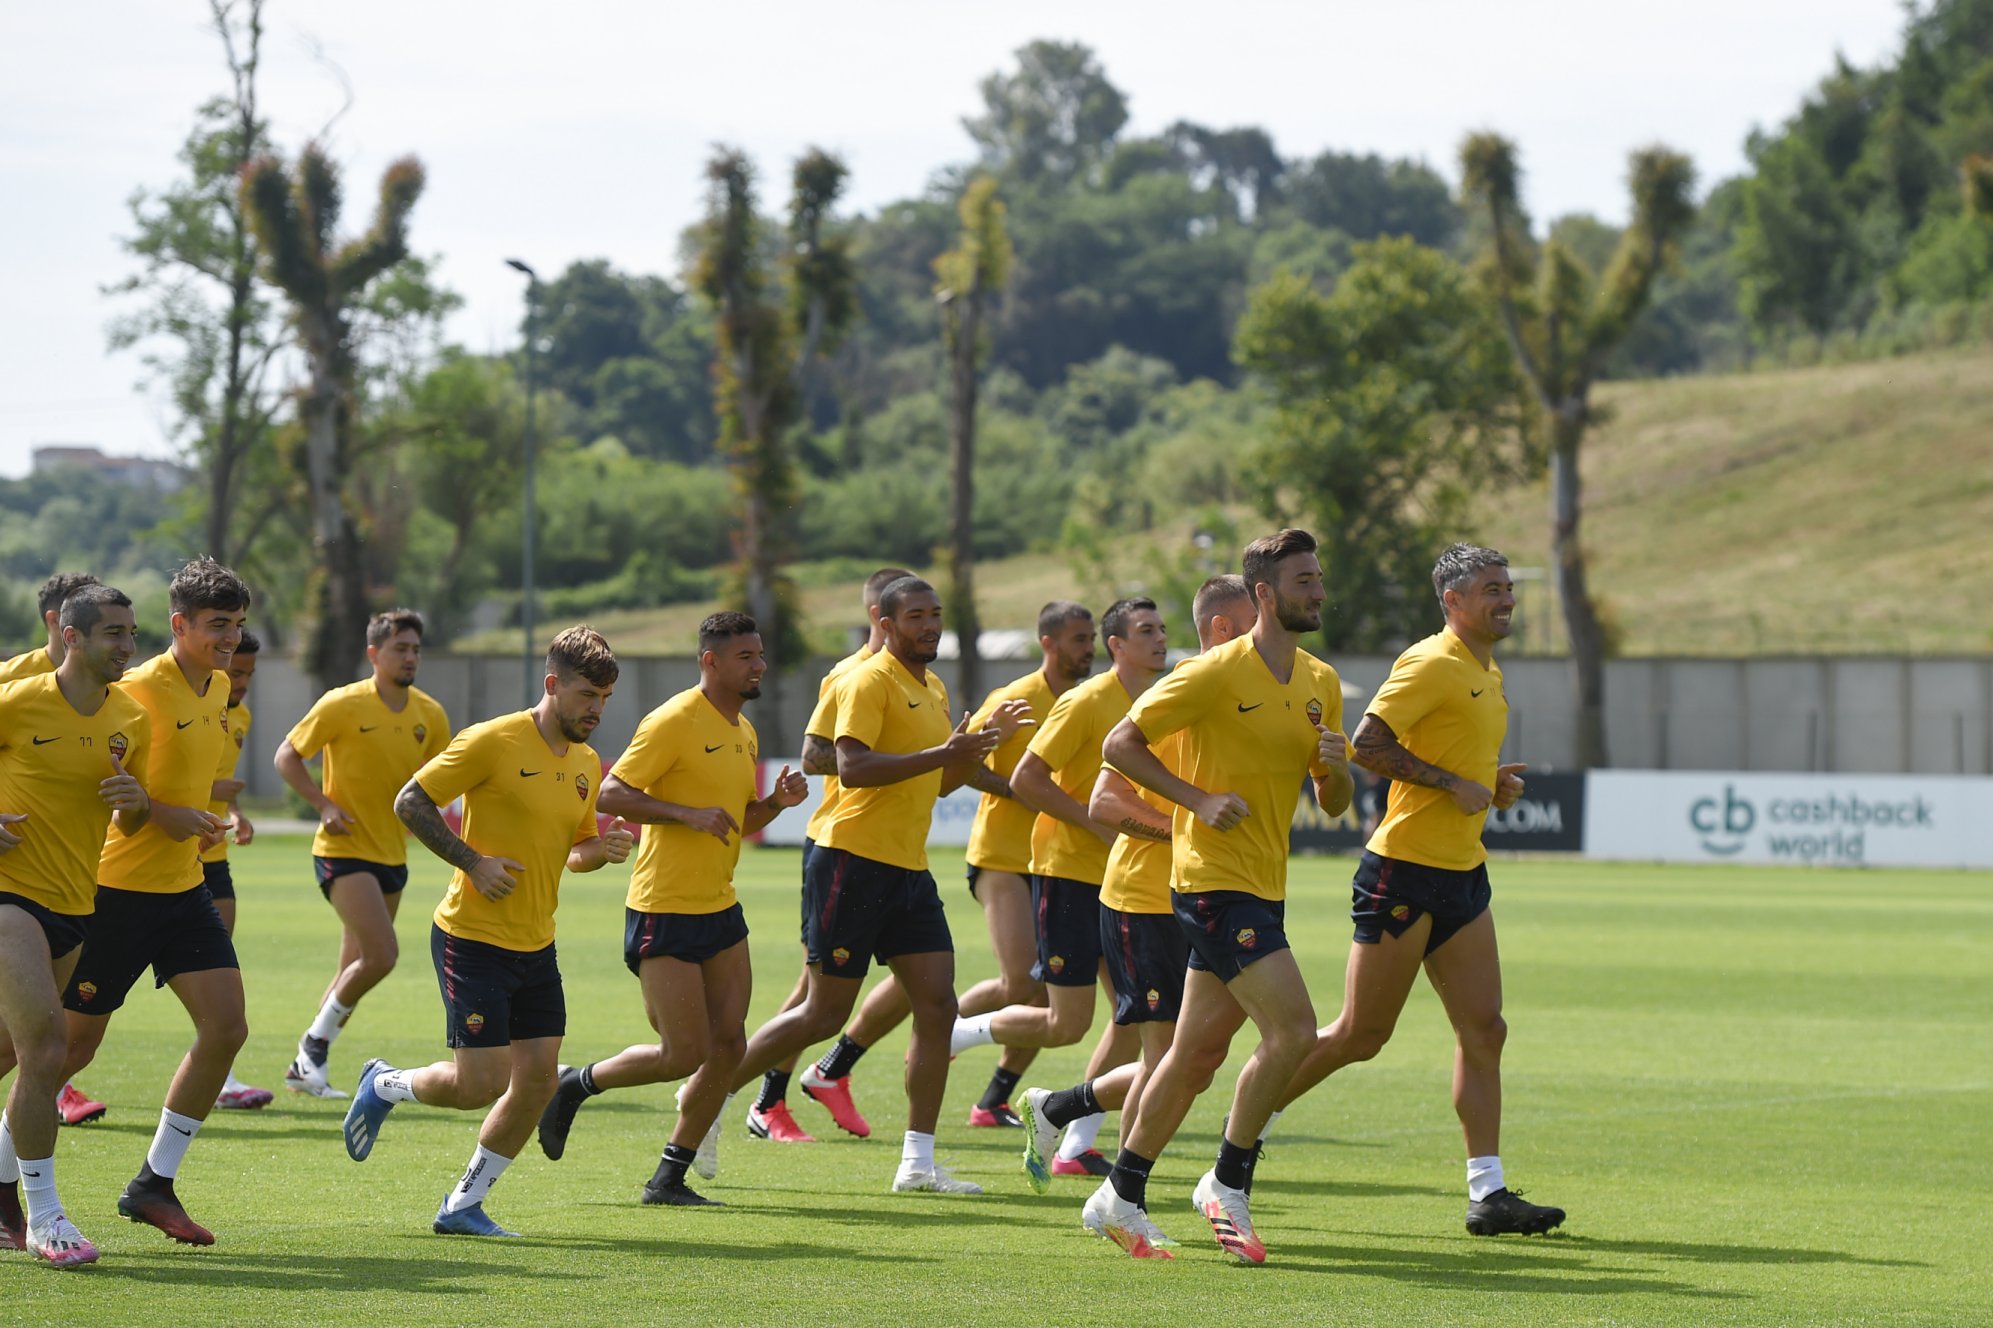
(532, 676)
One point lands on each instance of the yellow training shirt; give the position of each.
(521, 802)
(687, 752)
(1069, 743)
(1248, 733)
(189, 739)
(889, 710)
(370, 753)
(1138, 869)
(29, 665)
(1448, 711)
(51, 761)
(1000, 838)
(823, 724)
(231, 756)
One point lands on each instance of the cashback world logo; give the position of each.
(1830, 828)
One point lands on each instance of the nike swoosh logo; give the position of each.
(31, 1175)
(913, 705)
(1245, 709)
(711, 750)
(40, 741)
(188, 1133)
(524, 773)
(1477, 693)
(183, 723)
(368, 728)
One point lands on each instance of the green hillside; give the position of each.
(1842, 508)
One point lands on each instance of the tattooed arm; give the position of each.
(819, 756)
(986, 780)
(490, 876)
(1378, 750)
(1117, 806)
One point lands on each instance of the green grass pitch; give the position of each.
(1765, 1096)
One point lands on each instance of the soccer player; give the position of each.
(1255, 714)
(65, 737)
(374, 733)
(768, 1116)
(868, 890)
(689, 775)
(215, 873)
(74, 1105)
(1144, 947)
(152, 909)
(999, 853)
(528, 781)
(1069, 851)
(1420, 897)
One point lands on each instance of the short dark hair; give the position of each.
(383, 627)
(59, 588)
(896, 593)
(721, 628)
(1115, 621)
(1217, 593)
(875, 584)
(206, 584)
(1268, 552)
(84, 607)
(583, 651)
(250, 644)
(1460, 563)
(1054, 616)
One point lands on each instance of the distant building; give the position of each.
(138, 472)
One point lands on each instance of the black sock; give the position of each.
(1130, 1177)
(1235, 1163)
(837, 1062)
(587, 1080)
(1069, 1104)
(1252, 1165)
(774, 1090)
(671, 1167)
(1002, 1084)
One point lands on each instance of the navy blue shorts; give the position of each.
(1390, 894)
(219, 880)
(65, 931)
(392, 880)
(1229, 929)
(856, 910)
(492, 996)
(1146, 955)
(691, 937)
(131, 930)
(1065, 915)
(803, 896)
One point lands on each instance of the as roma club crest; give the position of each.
(474, 1023)
(119, 745)
(422, 733)
(581, 787)
(1314, 712)
(1247, 938)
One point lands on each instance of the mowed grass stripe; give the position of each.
(1762, 1093)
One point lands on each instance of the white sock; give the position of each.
(10, 1165)
(332, 1017)
(918, 1150)
(1484, 1177)
(483, 1172)
(1080, 1135)
(971, 1031)
(1268, 1128)
(38, 1190)
(234, 1085)
(170, 1142)
(396, 1085)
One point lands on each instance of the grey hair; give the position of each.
(1460, 564)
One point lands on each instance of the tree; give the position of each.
(1561, 335)
(199, 257)
(1394, 400)
(1053, 121)
(295, 219)
(966, 278)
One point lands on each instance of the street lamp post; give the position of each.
(526, 572)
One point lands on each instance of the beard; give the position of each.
(576, 729)
(1294, 615)
(752, 692)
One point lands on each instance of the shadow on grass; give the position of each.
(1544, 1274)
(1272, 1186)
(1702, 1252)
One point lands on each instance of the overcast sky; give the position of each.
(556, 132)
